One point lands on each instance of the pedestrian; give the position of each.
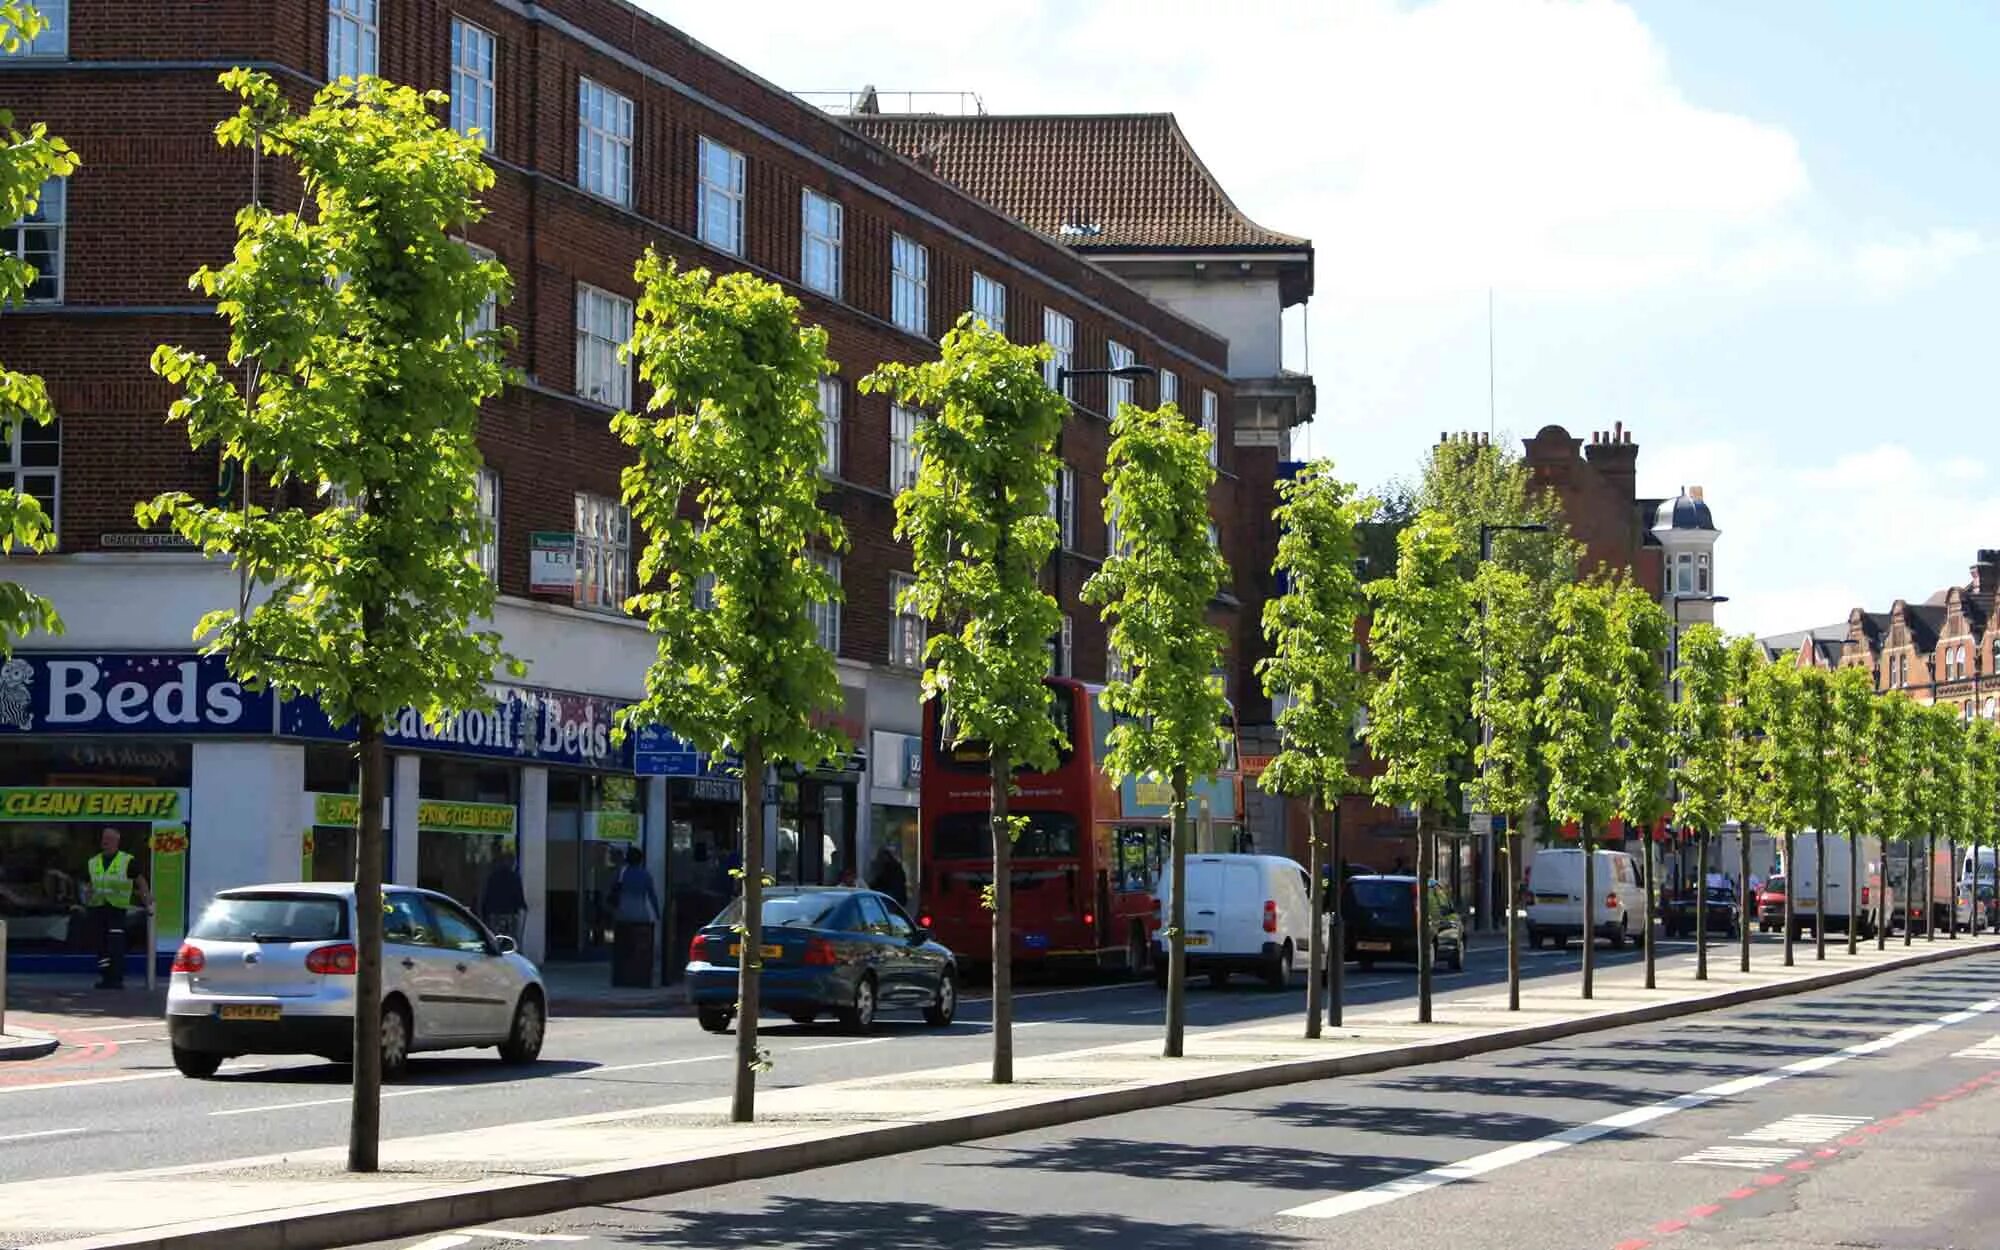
(112, 884)
(503, 901)
(886, 875)
(635, 911)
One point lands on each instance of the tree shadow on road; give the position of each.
(1268, 1167)
(821, 1224)
(1638, 1067)
(1416, 1121)
(1712, 1044)
(1527, 1087)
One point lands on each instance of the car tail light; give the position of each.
(1270, 916)
(1864, 895)
(337, 961)
(925, 921)
(189, 959)
(1089, 919)
(819, 953)
(698, 949)
(1611, 900)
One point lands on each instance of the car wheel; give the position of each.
(1366, 965)
(1534, 938)
(1138, 952)
(1160, 969)
(1458, 957)
(944, 1008)
(531, 1024)
(714, 1019)
(1562, 941)
(1279, 974)
(804, 1017)
(395, 1040)
(1618, 935)
(198, 1064)
(860, 1016)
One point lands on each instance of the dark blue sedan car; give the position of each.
(846, 951)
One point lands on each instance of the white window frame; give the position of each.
(826, 616)
(829, 425)
(1211, 424)
(603, 553)
(353, 38)
(1065, 648)
(53, 42)
(488, 316)
(905, 461)
(1684, 573)
(1170, 388)
(1059, 332)
(719, 204)
(1118, 390)
(1114, 664)
(474, 52)
(910, 284)
(820, 241)
(486, 503)
(44, 482)
(906, 629)
(604, 120)
(603, 325)
(1701, 582)
(1064, 512)
(989, 301)
(51, 221)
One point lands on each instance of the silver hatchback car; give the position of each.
(269, 970)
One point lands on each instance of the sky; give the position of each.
(1763, 236)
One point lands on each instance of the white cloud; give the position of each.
(1898, 263)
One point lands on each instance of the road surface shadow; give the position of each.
(1704, 1042)
(1527, 1087)
(1415, 1121)
(1208, 1162)
(822, 1224)
(1638, 1067)
(423, 1070)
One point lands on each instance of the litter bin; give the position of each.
(632, 954)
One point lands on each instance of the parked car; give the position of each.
(1989, 906)
(1245, 913)
(1677, 914)
(269, 970)
(1379, 914)
(1771, 905)
(1556, 907)
(825, 949)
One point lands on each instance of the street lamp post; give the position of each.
(1490, 844)
(1701, 859)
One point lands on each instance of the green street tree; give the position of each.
(1155, 592)
(354, 311)
(1856, 730)
(1417, 708)
(28, 160)
(1788, 768)
(979, 533)
(1641, 728)
(1506, 640)
(1576, 709)
(1741, 730)
(1893, 783)
(732, 583)
(1701, 768)
(1949, 811)
(1816, 711)
(1919, 806)
(1982, 804)
(1311, 674)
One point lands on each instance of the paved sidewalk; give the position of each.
(448, 1180)
(25, 1045)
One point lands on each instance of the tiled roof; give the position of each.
(1108, 181)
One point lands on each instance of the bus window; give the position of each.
(971, 755)
(1142, 854)
(967, 835)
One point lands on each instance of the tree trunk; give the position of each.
(1791, 895)
(1749, 900)
(1951, 857)
(1177, 957)
(1316, 953)
(1424, 960)
(1003, 923)
(364, 1131)
(1701, 906)
(750, 961)
(1651, 890)
(1589, 907)
(1930, 886)
(1854, 891)
(1819, 897)
(1513, 885)
(1909, 890)
(1336, 945)
(1882, 898)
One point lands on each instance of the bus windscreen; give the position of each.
(972, 756)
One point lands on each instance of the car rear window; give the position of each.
(273, 918)
(1775, 885)
(1380, 892)
(796, 911)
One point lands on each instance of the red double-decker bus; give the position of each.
(1085, 867)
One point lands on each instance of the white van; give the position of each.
(1245, 913)
(1807, 886)
(1555, 891)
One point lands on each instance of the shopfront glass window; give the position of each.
(464, 824)
(593, 819)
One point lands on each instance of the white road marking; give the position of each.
(47, 1132)
(1988, 1049)
(113, 1028)
(344, 1099)
(859, 1041)
(1749, 1158)
(1806, 1130)
(448, 1241)
(113, 1080)
(504, 1234)
(1493, 1160)
(634, 1067)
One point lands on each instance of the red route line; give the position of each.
(77, 1050)
(1799, 1168)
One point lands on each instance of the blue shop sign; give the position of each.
(658, 752)
(103, 694)
(524, 725)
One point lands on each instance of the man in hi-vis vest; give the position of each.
(112, 885)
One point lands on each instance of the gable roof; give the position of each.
(1776, 645)
(1094, 182)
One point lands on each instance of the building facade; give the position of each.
(609, 131)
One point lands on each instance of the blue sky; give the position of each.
(1761, 235)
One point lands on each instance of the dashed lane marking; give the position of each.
(1988, 1049)
(1806, 1129)
(1750, 1158)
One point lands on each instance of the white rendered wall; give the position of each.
(244, 816)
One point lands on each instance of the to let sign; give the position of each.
(551, 563)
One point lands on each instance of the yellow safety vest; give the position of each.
(111, 882)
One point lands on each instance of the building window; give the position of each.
(826, 616)
(906, 633)
(819, 265)
(486, 494)
(1118, 390)
(910, 284)
(1701, 573)
(1170, 388)
(719, 219)
(31, 464)
(351, 39)
(904, 459)
(603, 142)
(829, 425)
(472, 81)
(1683, 574)
(1211, 425)
(1062, 649)
(603, 553)
(1062, 506)
(1059, 332)
(54, 39)
(1114, 664)
(603, 324)
(989, 301)
(488, 316)
(38, 239)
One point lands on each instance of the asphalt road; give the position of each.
(1858, 1116)
(119, 1104)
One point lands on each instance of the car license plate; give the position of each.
(1035, 941)
(1805, 904)
(1197, 939)
(1371, 946)
(250, 1011)
(768, 952)
(1552, 898)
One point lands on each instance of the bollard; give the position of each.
(152, 953)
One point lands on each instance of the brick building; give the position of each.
(609, 131)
